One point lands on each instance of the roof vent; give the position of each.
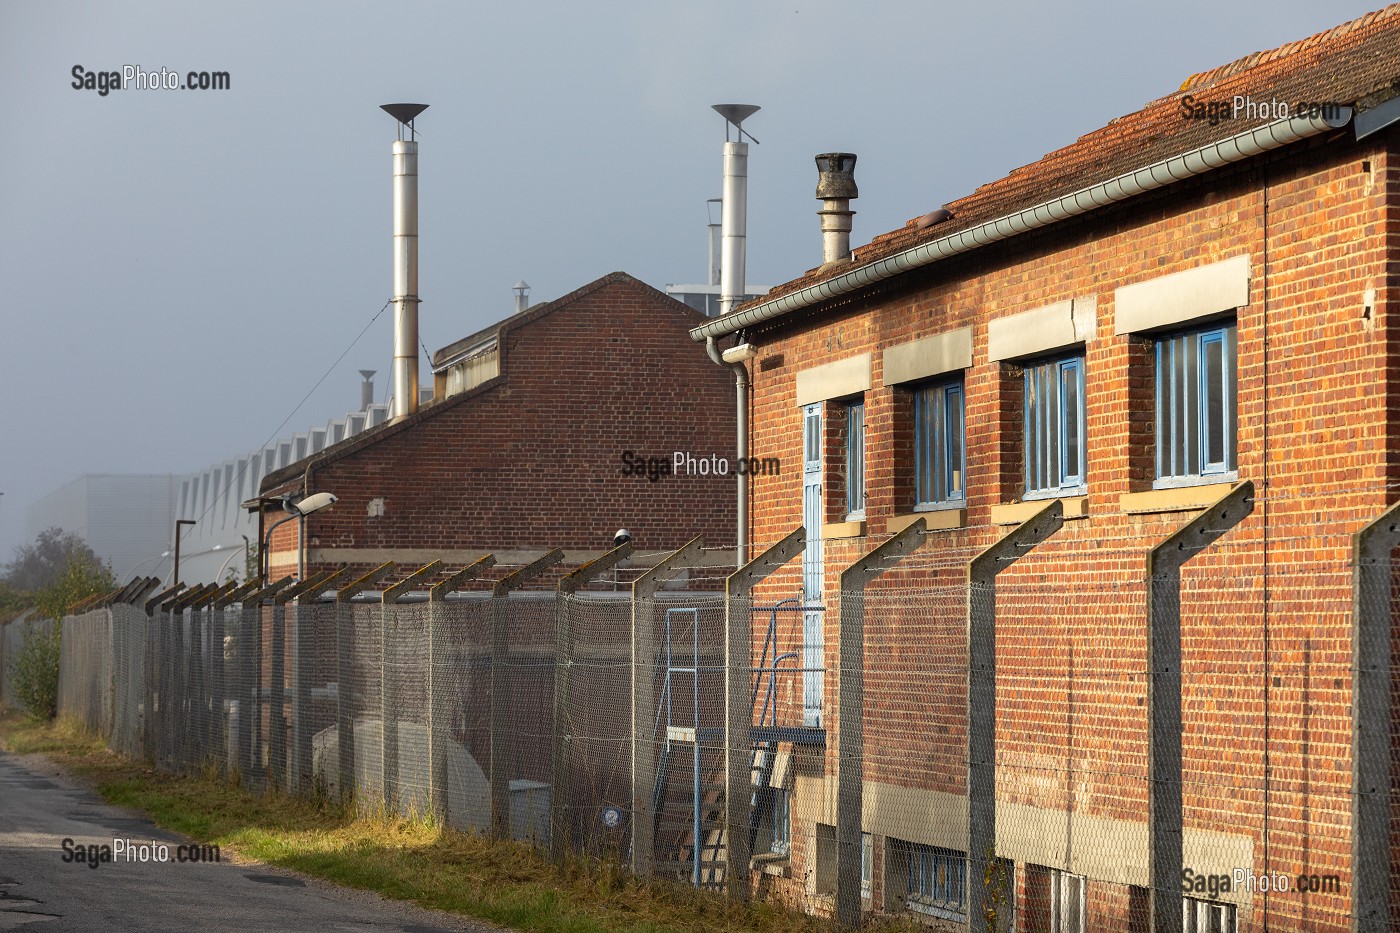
(836, 186)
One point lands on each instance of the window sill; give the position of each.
(771, 863)
(1014, 513)
(940, 520)
(843, 530)
(1176, 499)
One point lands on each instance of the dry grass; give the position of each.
(408, 859)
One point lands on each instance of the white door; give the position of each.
(813, 659)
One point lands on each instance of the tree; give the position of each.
(35, 668)
(82, 576)
(44, 562)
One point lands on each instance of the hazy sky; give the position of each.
(181, 267)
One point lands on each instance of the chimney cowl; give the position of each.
(836, 176)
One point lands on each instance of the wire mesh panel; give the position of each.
(912, 851)
(460, 710)
(85, 670)
(595, 797)
(405, 715)
(1072, 741)
(347, 758)
(687, 740)
(523, 680)
(129, 633)
(313, 688)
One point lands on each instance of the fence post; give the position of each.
(388, 688)
(850, 725)
(301, 764)
(982, 692)
(502, 735)
(437, 724)
(1372, 577)
(644, 700)
(565, 639)
(345, 675)
(738, 705)
(1164, 563)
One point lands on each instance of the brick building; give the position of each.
(522, 448)
(1135, 325)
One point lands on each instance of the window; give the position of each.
(1054, 427)
(855, 461)
(782, 822)
(1066, 903)
(1198, 916)
(934, 879)
(867, 864)
(939, 462)
(1196, 405)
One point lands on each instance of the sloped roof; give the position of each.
(519, 319)
(1356, 63)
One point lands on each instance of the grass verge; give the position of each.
(406, 859)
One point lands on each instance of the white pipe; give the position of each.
(405, 375)
(1149, 178)
(741, 447)
(733, 225)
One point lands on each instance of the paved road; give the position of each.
(39, 892)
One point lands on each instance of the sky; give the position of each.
(183, 269)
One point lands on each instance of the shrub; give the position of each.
(34, 670)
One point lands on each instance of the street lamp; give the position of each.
(299, 509)
(175, 574)
(141, 563)
(219, 575)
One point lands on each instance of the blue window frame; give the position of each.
(1196, 414)
(855, 460)
(782, 822)
(935, 879)
(1055, 427)
(940, 465)
(867, 864)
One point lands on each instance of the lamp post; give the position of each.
(299, 509)
(175, 574)
(219, 575)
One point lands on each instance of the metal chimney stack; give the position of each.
(522, 295)
(367, 389)
(405, 300)
(734, 209)
(836, 186)
(713, 229)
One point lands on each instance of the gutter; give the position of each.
(1153, 177)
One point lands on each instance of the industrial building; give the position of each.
(1178, 321)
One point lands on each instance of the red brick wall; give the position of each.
(533, 461)
(1266, 613)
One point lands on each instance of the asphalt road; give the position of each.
(40, 807)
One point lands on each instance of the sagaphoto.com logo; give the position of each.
(134, 77)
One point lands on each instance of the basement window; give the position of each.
(1201, 916)
(930, 880)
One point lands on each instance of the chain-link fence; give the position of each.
(14, 636)
(1138, 747)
